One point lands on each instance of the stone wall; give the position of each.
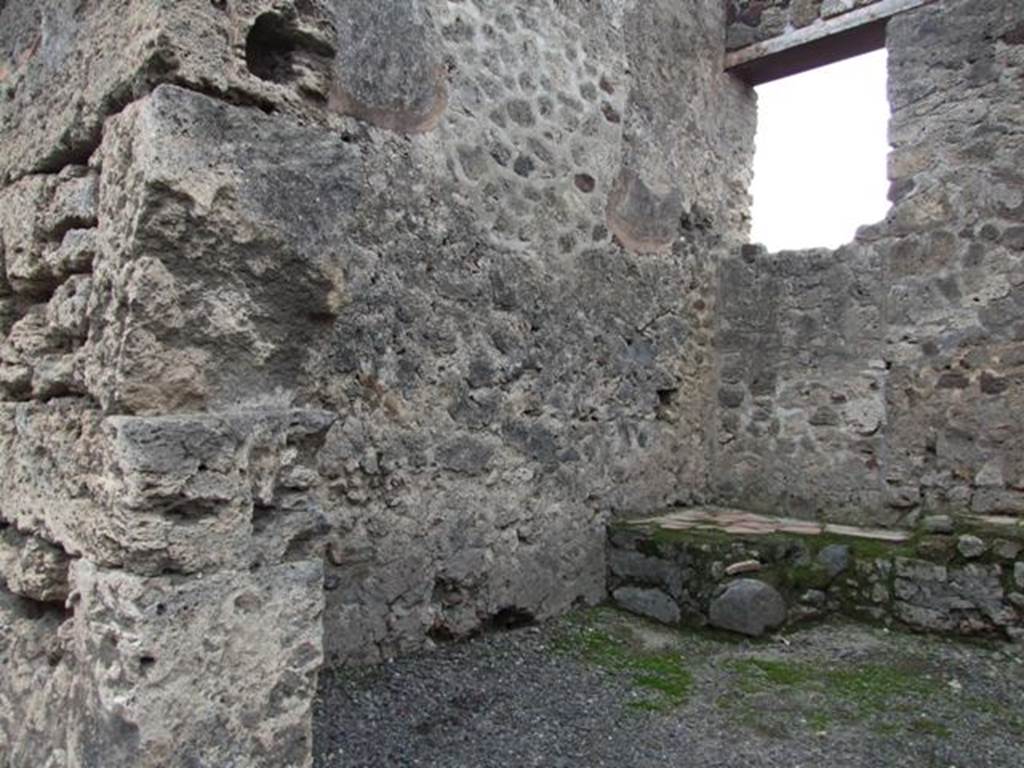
(346, 327)
(335, 327)
(953, 243)
(878, 382)
(800, 402)
(754, 21)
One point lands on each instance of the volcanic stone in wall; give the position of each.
(32, 567)
(747, 606)
(34, 683)
(388, 70)
(217, 671)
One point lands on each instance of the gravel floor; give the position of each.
(599, 688)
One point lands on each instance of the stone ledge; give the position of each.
(739, 522)
(687, 567)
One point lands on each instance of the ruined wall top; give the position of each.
(753, 21)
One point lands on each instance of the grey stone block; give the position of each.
(971, 547)
(835, 559)
(652, 603)
(937, 524)
(748, 606)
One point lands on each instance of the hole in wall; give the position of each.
(585, 183)
(441, 633)
(821, 149)
(270, 49)
(509, 617)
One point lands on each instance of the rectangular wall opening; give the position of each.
(821, 149)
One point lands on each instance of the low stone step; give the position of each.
(753, 573)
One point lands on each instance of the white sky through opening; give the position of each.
(820, 162)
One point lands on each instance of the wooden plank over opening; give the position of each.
(824, 42)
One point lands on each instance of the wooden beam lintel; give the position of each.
(824, 42)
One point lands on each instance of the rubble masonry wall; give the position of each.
(336, 329)
(882, 381)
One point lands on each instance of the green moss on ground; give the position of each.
(829, 695)
(997, 714)
(928, 727)
(596, 638)
(755, 674)
(898, 693)
(867, 688)
(872, 688)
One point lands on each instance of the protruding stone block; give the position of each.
(218, 296)
(196, 492)
(181, 493)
